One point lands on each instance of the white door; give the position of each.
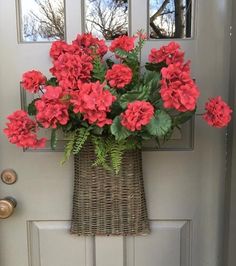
(185, 189)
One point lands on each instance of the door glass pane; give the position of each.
(106, 19)
(170, 19)
(41, 20)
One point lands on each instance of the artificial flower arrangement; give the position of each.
(104, 95)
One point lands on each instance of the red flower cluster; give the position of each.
(119, 76)
(178, 90)
(31, 80)
(51, 109)
(21, 130)
(69, 68)
(218, 113)
(61, 47)
(170, 54)
(73, 62)
(93, 102)
(90, 44)
(123, 42)
(137, 114)
(83, 44)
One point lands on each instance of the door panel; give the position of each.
(110, 251)
(50, 244)
(185, 190)
(168, 245)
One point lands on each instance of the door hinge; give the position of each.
(230, 31)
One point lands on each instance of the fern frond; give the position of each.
(81, 136)
(68, 148)
(116, 150)
(109, 152)
(101, 152)
(121, 53)
(116, 154)
(99, 69)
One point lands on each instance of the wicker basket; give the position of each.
(107, 204)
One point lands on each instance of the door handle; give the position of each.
(7, 206)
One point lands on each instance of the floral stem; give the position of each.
(140, 56)
(41, 89)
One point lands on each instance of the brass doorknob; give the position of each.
(7, 206)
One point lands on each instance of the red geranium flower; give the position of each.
(21, 130)
(218, 113)
(178, 90)
(31, 80)
(123, 42)
(93, 102)
(137, 114)
(119, 76)
(70, 68)
(170, 54)
(61, 47)
(90, 44)
(51, 109)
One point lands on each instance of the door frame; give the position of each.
(230, 188)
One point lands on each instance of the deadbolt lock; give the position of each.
(9, 176)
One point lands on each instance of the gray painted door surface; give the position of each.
(185, 189)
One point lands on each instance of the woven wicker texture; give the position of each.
(107, 204)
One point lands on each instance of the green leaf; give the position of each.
(31, 107)
(141, 94)
(157, 101)
(151, 77)
(67, 127)
(168, 134)
(54, 139)
(118, 130)
(97, 130)
(183, 117)
(145, 135)
(116, 110)
(160, 124)
(52, 82)
(112, 90)
(154, 66)
(84, 124)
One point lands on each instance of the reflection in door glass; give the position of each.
(106, 19)
(170, 19)
(41, 20)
